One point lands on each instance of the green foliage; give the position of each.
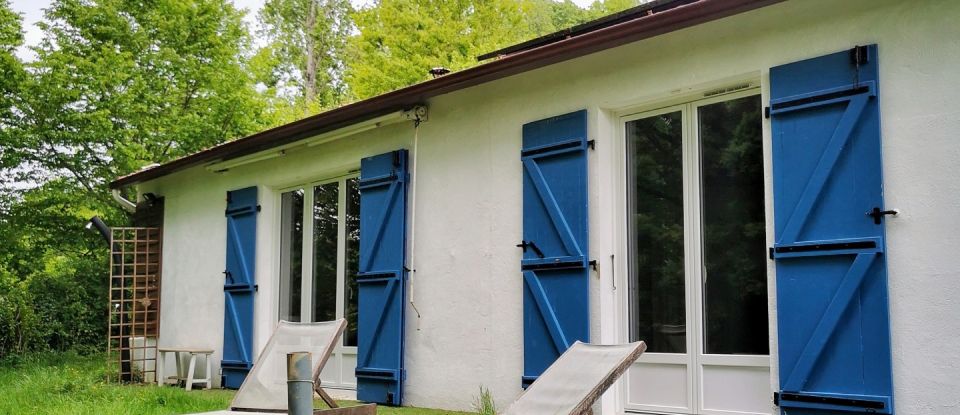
(54, 271)
(116, 85)
(19, 325)
(399, 41)
(70, 384)
(483, 403)
(120, 84)
(11, 74)
(303, 63)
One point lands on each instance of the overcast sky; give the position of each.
(32, 11)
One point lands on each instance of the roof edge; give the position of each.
(681, 17)
(648, 8)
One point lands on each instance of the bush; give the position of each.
(70, 297)
(19, 324)
(54, 277)
(60, 308)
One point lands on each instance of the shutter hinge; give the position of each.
(593, 264)
(766, 112)
(592, 144)
(859, 55)
(770, 253)
(228, 212)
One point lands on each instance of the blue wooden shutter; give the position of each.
(834, 334)
(383, 213)
(239, 286)
(554, 265)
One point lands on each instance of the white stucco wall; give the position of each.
(467, 285)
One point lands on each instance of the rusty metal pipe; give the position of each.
(299, 383)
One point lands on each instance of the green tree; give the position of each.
(11, 70)
(11, 76)
(600, 8)
(302, 66)
(119, 84)
(52, 270)
(116, 85)
(399, 41)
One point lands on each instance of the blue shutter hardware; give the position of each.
(833, 320)
(556, 310)
(239, 286)
(382, 277)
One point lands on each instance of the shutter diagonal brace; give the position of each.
(381, 225)
(828, 322)
(235, 245)
(364, 359)
(546, 311)
(237, 331)
(821, 173)
(550, 203)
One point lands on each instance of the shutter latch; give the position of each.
(878, 214)
(531, 245)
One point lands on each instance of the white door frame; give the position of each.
(694, 359)
(341, 377)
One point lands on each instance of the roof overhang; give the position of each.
(643, 27)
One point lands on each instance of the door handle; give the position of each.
(878, 214)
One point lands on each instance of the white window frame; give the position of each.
(306, 265)
(695, 358)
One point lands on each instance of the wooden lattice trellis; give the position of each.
(134, 302)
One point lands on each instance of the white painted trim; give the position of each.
(679, 96)
(694, 359)
(341, 250)
(770, 228)
(306, 255)
(306, 283)
(280, 151)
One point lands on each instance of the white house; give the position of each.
(714, 177)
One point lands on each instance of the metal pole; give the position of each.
(299, 383)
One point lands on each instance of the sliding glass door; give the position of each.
(696, 242)
(319, 239)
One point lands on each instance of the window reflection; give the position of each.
(353, 261)
(325, 233)
(734, 280)
(658, 304)
(291, 254)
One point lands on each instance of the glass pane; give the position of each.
(291, 253)
(353, 261)
(734, 244)
(325, 232)
(658, 305)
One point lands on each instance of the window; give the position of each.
(291, 253)
(330, 233)
(696, 244)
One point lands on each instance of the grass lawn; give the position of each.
(70, 384)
